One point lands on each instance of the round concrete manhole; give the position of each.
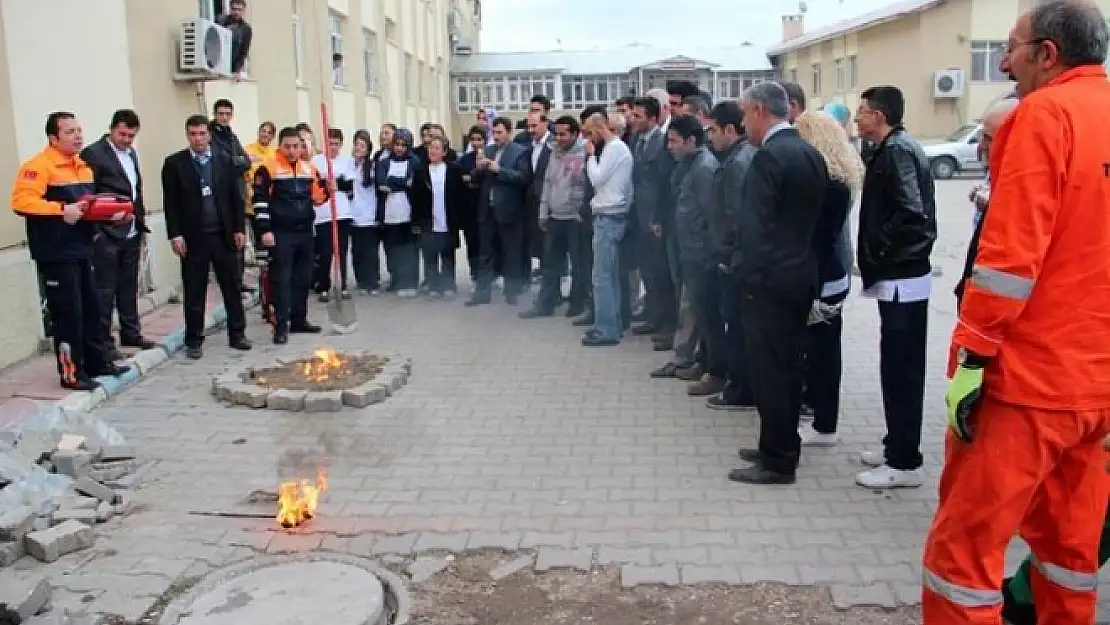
(300, 589)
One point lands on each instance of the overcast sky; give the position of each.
(522, 25)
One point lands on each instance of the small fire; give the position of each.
(297, 500)
(323, 363)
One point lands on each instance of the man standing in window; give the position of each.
(241, 35)
(117, 249)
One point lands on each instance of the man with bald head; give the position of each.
(1027, 403)
(610, 174)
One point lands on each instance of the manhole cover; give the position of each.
(306, 589)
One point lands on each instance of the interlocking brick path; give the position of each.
(512, 435)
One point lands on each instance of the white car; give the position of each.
(959, 152)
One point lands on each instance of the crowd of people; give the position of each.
(736, 213)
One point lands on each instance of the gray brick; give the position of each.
(429, 541)
(624, 555)
(828, 574)
(781, 573)
(283, 399)
(425, 567)
(10, 551)
(395, 544)
(25, 598)
(547, 539)
(364, 395)
(92, 488)
(330, 401)
(508, 541)
(15, 522)
(633, 575)
(115, 453)
(74, 463)
(513, 566)
(846, 596)
(703, 573)
(556, 558)
(51, 544)
(250, 395)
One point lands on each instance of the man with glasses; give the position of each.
(1028, 405)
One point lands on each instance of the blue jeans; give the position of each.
(608, 232)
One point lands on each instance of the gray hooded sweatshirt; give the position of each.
(565, 184)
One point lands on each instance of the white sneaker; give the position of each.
(886, 477)
(407, 293)
(873, 458)
(813, 438)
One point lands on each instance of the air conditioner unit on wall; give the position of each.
(204, 50)
(948, 84)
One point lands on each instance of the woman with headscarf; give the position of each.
(834, 263)
(394, 176)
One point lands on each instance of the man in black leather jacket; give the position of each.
(897, 230)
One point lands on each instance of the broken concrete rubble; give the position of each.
(59, 475)
(20, 600)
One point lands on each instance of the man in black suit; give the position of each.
(206, 224)
(503, 172)
(776, 271)
(539, 152)
(117, 249)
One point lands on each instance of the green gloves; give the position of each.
(964, 391)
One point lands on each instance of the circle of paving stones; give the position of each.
(313, 587)
(236, 388)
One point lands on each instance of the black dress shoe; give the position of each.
(583, 321)
(534, 313)
(644, 329)
(114, 355)
(662, 344)
(240, 343)
(573, 310)
(194, 353)
(1015, 612)
(666, 371)
(304, 327)
(81, 383)
(477, 300)
(141, 343)
(758, 474)
(281, 338)
(111, 370)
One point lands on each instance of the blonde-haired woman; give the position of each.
(833, 247)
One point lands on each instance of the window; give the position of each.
(410, 79)
(213, 9)
(816, 69)
(370, 61)
(794, 75)
(853, 72)
(390, 30)
(986, 56)
(335, 34)
(421, 94)
(838, 65)
(731, 85)
(504, 93)
(298, 44)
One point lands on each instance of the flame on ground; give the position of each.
(323, 363)
(297, 500)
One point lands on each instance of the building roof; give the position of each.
(895, 11)
(619, 61)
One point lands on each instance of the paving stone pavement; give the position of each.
(511, 435)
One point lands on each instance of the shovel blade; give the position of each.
(341, 312)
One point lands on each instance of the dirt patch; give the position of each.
(464, 594)
(326, 370)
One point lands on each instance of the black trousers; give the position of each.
(510, 237)
(903, 346)
(472, 238)
(116, 273)
(732, 295)
(210, 253)
(366, 245)
(660, 290)
(705, 285)
(438, 252)
(322, 258)
(291, 277)
(824, 365)
(774, 337)
(562, 242)
(74, 308)
(629, 262)
(402, 254)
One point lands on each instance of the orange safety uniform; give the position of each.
(43, 186)
(1038, 306)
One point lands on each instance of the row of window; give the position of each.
(574, 92)
(418, 84)
(846, 71)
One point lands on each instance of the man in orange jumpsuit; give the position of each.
(1029, 400)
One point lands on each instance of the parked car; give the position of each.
(958, 152)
